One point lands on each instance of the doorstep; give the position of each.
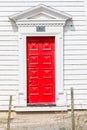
(40, 108)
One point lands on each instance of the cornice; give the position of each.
(40, 24)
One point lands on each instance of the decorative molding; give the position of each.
(39, 10)
(34, 17)
(40, 24)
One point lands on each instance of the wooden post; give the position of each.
(72, 109)
(9, 113)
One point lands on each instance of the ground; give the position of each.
(44, 120)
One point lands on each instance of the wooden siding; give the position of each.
(75, 48)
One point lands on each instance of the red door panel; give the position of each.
(40, 70)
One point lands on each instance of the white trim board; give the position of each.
(53, 27)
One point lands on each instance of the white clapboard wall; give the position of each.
(75, 49)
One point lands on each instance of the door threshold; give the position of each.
(41, 104)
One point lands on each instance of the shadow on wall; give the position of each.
(14, 26)
(69, 26)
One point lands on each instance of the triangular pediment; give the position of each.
(41, 16)
(40, 12)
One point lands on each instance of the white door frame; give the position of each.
(27, 22)
(59, 87)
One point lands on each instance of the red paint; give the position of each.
(40, 70)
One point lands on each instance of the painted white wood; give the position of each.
(6, 98)
(79, 97)
(85, 8)
(78, 107)
(76, 72)
(7, 43)
(8, 82)
(10, 48)
(7, 28)
(7, 93)
(9, 62)
(75, 77)
(13, 58)
(75, 23)
(80, 15)
(74, 81)
(5, 108)
(75, 13)
(7, 14)
(57, 19)
(82, 62)
(77, 86)
(76, 28)
(75, 46)
(2, 103)
(8, 51)
(52, 3)
(61, 8)
(77, 91)
(74, 66)
(8, 88)
(75, 52)
(70, 8)
(76, 37)
(40, 9)
(79, 104)
(40, 0)
(9, 77)
(77, 42)
(69, 23)
(76, 57)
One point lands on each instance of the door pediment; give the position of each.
(41, 16)
(40, 12)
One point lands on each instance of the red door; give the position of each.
(40, 70)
